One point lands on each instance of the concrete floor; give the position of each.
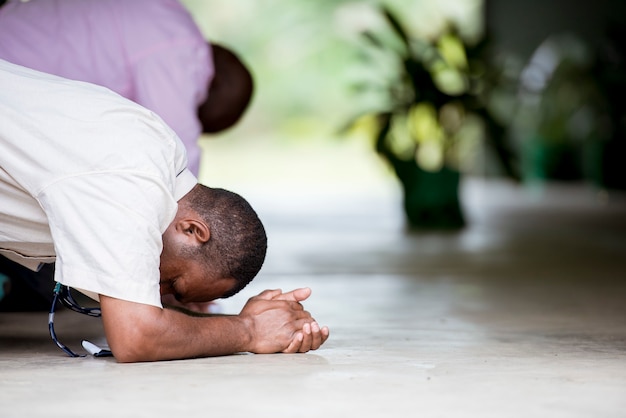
(522, 314)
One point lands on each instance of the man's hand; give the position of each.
(280, 323)
(269, 323)
(313, 333)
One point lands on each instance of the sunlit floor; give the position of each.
(522, 314)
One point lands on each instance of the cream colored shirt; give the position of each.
(89, 179)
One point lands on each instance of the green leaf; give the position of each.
(395, 24)
(368, 35)
(381, 147)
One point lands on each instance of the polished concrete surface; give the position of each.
(521, 314)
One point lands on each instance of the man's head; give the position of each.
(213, 248)
(229, 93)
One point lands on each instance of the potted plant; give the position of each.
(434, 106)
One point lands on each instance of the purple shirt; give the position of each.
(149, 51)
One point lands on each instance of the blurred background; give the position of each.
(390, 96)
(447, 176)
(306, 59)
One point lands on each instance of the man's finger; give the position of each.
(295, 344)
(316, 336)
(307, 338)
(296, 295)
(269, 294)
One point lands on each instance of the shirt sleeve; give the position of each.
(107, 230)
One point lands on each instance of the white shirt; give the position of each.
(87, 178)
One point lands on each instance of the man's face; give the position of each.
(191, 284)
(187, 278)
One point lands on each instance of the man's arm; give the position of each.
(269, 323)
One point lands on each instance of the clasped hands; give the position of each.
(279, 323)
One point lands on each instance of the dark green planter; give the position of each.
(431, 199)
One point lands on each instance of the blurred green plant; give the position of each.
(436, 98)
(433, 109)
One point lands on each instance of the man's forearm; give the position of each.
(137, 332)
(271, 322)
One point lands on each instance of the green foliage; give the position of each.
(434, 101)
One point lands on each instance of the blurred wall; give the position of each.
(520, 26)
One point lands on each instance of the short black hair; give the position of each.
(238, 242)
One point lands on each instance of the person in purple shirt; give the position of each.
(149, 51)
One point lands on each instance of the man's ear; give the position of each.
(194, 229)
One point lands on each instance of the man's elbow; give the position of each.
(132, 348)
(133, 331)
(128, 354)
